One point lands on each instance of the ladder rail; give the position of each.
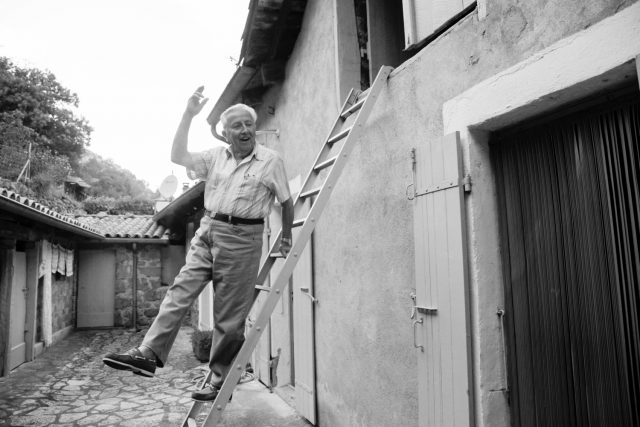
(291, 260)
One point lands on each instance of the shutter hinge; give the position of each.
(466, 183)
(412, 193)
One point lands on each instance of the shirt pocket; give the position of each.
(252, 184)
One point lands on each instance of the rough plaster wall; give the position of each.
(364, 256)
(511, 32)
(64, 301)
(364, 274)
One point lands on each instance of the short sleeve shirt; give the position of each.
(245, 189)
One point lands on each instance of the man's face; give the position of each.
(240, 132)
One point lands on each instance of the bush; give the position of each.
(201, 343)
(94, 205)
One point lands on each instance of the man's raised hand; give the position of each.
(196, 101)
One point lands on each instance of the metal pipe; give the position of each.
(134, 287)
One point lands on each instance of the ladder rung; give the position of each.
(355, 107)
(263, 288)
(325, 164)
(276, 254)
(339, 136)
(310, 193)
(298, 222)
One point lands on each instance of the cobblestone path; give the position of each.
(69, 385)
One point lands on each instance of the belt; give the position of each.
(234, 219)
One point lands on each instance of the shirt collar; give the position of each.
(257, 153)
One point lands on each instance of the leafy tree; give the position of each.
(108, 179)
(37, 123)
(35, 101)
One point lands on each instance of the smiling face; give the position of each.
(240, 132)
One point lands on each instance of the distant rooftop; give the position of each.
(125, 226)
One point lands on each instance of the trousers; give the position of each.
(228, 256)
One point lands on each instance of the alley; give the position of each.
(69, 386)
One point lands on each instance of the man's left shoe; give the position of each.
(207, 394)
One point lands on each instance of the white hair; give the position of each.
(243, 107)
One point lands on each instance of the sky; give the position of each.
(133, 64)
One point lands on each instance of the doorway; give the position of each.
(17, 322)
(569, 199)
(96, 288)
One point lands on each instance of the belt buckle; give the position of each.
(229, 219)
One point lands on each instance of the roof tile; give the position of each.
(12, 196)
(126, 226)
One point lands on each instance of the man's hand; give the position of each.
(196, 102)
(285, 246)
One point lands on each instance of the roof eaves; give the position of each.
(182, 201)
(30, 209)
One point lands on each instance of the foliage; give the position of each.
(122, 206)
(47, 171)
(34, 100)
(110, 180)
(37, 122)
(201, 344)
(55, 199)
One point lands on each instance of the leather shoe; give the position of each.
(133, 360)
(207, 394)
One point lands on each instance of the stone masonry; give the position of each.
(150, 289)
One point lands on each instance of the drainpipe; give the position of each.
(134, 297)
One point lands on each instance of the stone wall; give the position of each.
(151, 287)
(123, 288)
(151, 290)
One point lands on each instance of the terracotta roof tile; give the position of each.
(16, 199)
(126, 226)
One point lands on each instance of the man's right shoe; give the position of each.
(133, 361)
(207, 394)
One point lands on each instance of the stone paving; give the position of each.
(69, 385)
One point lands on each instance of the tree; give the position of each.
(108, 179)
(34, 101)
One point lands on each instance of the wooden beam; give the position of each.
(33, 267)
(7, 251)
(13, 230)
(285, 8)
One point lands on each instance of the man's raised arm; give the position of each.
(179, 152)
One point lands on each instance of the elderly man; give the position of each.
(241, 183)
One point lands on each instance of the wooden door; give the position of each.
(17, 353)
(441, 323)
(96, 288)
(568, 196)
(304, 334)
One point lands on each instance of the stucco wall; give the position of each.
(363, 273)
(364, 256)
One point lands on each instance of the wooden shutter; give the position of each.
(303, 332)
(441, 328)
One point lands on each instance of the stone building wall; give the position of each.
(151, 290)
(123, 287)
(150, 287)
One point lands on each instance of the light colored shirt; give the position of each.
(245, 189)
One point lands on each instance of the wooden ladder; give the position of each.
(308, 206)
